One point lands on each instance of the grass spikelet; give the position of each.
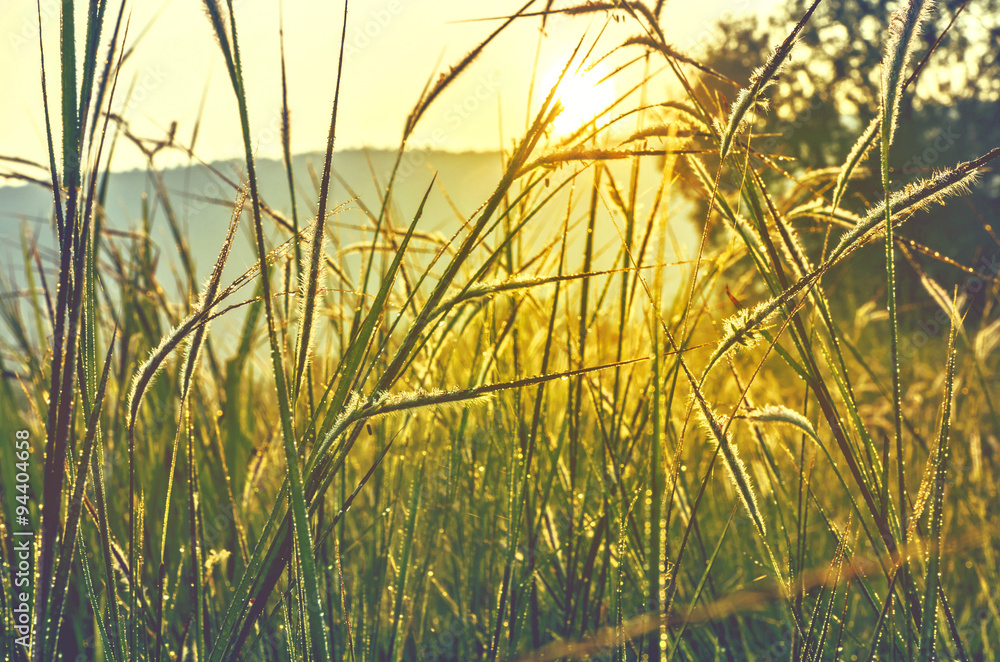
(487, 288)
(939, 461)
(739, 329)
(660, 130)
(382, 404)
(193, 323)
(792, 248)
(219, 18)
(782, 414)
(151, 367)
(987, 340)
(445, 79)
(951, 308)
(902, 204)
(583, 154)
(865, 141)
(904, 26)
(859, 152)
(913, 198)
(671, 52)
(748, 234)
(209, 292)
(820, 211)
(749, 99)
(310, 284)
(389, 405)
(351, 405)
(734, 464)
(707, 419)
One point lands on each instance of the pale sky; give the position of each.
(393, 48)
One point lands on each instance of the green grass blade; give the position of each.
(932, 579)
(309, 283)
(68, 544)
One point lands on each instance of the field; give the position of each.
(637, 400)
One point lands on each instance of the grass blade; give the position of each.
(939, 461)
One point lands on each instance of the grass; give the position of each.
(505, 451)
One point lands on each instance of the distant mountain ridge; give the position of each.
(202, 201)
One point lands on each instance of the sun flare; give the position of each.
(585, 96)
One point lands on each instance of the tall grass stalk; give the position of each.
(903, 27)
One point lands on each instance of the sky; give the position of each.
(393, 48)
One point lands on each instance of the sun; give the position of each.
(585, 96)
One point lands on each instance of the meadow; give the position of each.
(569, 429)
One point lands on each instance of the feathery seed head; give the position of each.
(739, 329)
(903, 29)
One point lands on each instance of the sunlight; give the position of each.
(584, 97)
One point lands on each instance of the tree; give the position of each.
(829, 90)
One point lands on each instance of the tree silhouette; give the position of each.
(829, 91)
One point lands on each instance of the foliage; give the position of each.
(829, 90)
